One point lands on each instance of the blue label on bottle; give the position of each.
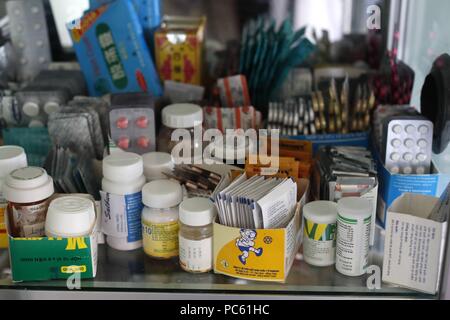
(133, 207)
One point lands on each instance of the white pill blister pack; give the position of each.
(408, 146)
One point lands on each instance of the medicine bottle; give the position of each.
(182, 116)
(196, 234)
(160, 218)
(319, 234)
(28, 191)
(156, 164)
(123, 179)
(11, 158)
(353, 236)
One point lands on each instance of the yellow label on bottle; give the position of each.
(160, 239)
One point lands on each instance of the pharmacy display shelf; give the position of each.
(132, 275)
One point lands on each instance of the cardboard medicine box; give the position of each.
(179, 49)
(39, 259)
(277, 248)
(112, 52)
(416, 227)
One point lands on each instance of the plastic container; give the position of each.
(319, 237)
(27, 191)
(70, 216)
(157, 163)
(196, 234)
(122, 184)
(181, 116)
(353, 236)
(160, 218)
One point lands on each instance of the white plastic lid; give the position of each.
(123, 167)
(51, 107)
(354, 208)
(30, 109)
(11, 158)
(197, 212)
(161, 194)
(70, 216)
(182, 115)
(322, 212)
(157, 163)
(36, 123)
(26, 185)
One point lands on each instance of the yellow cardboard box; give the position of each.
(179, 49)
(262, 255)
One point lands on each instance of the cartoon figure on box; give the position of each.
(246, 244)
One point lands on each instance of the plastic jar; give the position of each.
(156, 164)
(319, 236)
(182, 116)
(353, 236)
(11, 158)
(27, 191)
(70, 216)
(160, 218)
(123, 179)
(196, 234)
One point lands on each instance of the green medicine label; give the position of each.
(111, 56)
(319, 232)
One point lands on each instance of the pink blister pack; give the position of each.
(133, 129)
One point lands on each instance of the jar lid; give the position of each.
(182, 115)
(197, 212)
(123, 167)
(11, 158)
(322, 212)
(70, 216)
(162, 194)
(155, 163)
(354, 207)
(26, 185)
(30, 109)
(51, 107)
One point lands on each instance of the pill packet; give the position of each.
(179, 92)
(99, 105)
(72, 131)
(35, 102)
(232, 118)
(133, 129)
(408, 146)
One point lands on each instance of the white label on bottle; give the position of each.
(196, 255)
(121, 215)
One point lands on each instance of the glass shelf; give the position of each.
(133, 272)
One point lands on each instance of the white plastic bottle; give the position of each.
(123, 179)
(353, 236)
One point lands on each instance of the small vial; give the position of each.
(122, 123)
(396, 143)
(408, 156)
(422, 143)
(142, 122)
(123, 143)
(407, 170)
(409, 143)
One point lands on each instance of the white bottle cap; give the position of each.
(27, 185)
(51, 107)
(162, 194)
(355, 208)
(70, 216)
(36, 123)
(197, 212)
(182, 115)
(30, 109)
(123, 167)
(322, 212)
(11, 158)
(122, 244)
(157, 163)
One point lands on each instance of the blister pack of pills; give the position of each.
(29, 36)
(408, 146)
(133, 129)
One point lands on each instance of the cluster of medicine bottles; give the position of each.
(140, 208)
